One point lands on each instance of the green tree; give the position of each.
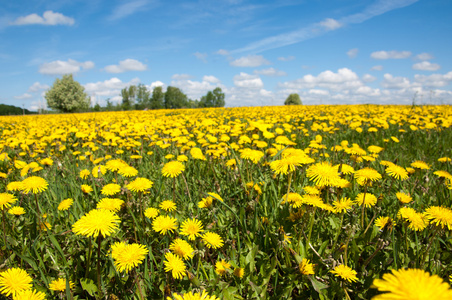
(128, 97)
(213, 99)
(67, 95)
(158, 98)
(293, 99)
(142, 97)
(175, 98)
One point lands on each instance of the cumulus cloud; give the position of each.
(155, 84)
(201, 56)
(424, 56)
(181, 76)
(23, 96)
(108, 88)
(377, 68)
(352, 53)
(196, 89)
(126, 65)
(59, 67)
(286, 58)
(270, 72)
(390, 54)
(36, 87)
(426, 66)
(48, 18)
(343, 79)
(244, 80)
(369, 78)
(391, 82)
(210, 78)
(330, 24)
(434, 80)
(250, 61)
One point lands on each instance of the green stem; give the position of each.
(88, 260)
(99, 286)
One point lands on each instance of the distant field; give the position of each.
(293, 202)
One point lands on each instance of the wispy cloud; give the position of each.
(48, 18)
(377, 8)
(127, 9)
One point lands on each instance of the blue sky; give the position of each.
(258, 52)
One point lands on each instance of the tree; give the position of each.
(128, 97)
(143, 97)
(213, 99)
(175, 98)
(293, 99)
(67, 95)
(158, 98)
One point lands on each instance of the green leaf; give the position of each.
(317, 285)
(89, 286)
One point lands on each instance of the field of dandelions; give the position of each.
(300, 202)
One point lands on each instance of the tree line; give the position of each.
(67, 95)
(6, 110)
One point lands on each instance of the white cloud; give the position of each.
(377, 68)
(127, 9)
(424, 56)
(126, 65)
(344, 79)
(48, 18)
(270, 72)
(287, 58)
(390, 54)
(210, 78)
(352, 53)
(201, 56)
(434, 80)
(36, 87)
(250, 61)
(318, 92)
(426, 66)
(108, 88)
(330, 24)
(155, 84)
(391, 82)
(23, 96)
(222, 52)
(369, 78)
(59, 67)
(181, 76)
(196, 89)
(244, 80)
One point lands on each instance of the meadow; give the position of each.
(293, 202)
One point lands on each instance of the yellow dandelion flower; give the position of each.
(221, 266)
(196, 153)
(418, 164)
(205, 202)
(168, 205)
(345, 273)
(173, 169)
(111, 189)
(440, 216)
(305, 267)
(84, 173)
(140, 185)
(128, 256)
(182, 248)
(412, 284)
(175, 265)
(14, 186)
(366, 199)
(59, 285)
(443, 174)
(14, 280)
(366, 176)
(216, 196)
(239, 272)
(444, 159)
(127, 171)
(192, 228)
(112, 204)
(16, 210)
(323, 174)
(404, 198)
(95, 222)
(29, 295)
(34, 184)
(342, 205)
(65, 204)
(397, 172)
(6, 200)
(86, 188)
(212, 240)
(381, 222)
(151, 212)
(164, 224)
(193, 296)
